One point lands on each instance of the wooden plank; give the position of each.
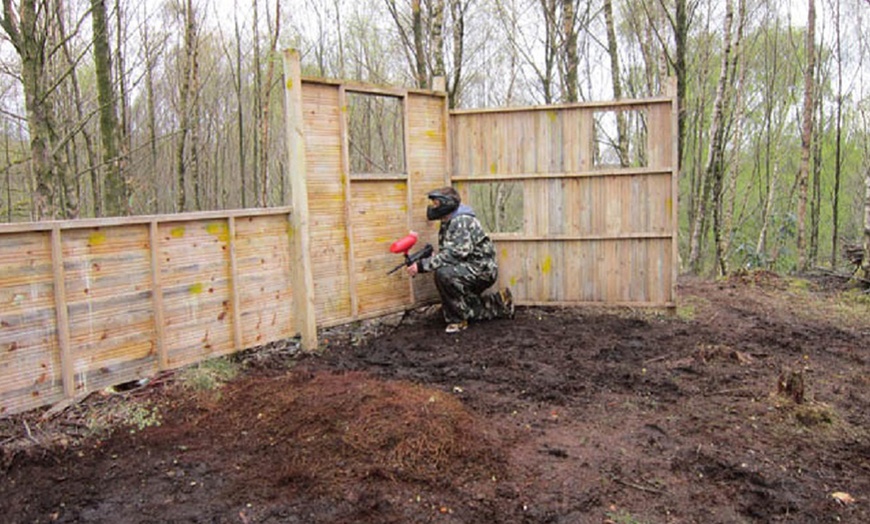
(157, 297)
(675, 174)
(597, 105)
(598, 173)
(88, 223)
(66, 358)
(407, 147)
(346, 197)
(301, 276)
(234, 285)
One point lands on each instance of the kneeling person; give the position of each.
(465, 265)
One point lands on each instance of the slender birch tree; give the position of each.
(806, 138)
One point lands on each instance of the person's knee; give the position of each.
(445, 275)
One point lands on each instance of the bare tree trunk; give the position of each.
(437, 7)
(572, 62)
(816, 193)
(96, 194)
(761, 245)
(151, 116)
(866, 258)
(29, 39)
(712, 178)
(731, 194)
(258, 103)
(806, 138)
(115, 195)
(457, 13)
(337, 5)
(240, 114)
(265, 100)
(185, 103)
(419, 47)
(125, 145)
(838, 155)
(681, 35)
(551, 47)
(7, 171)
(612, 50)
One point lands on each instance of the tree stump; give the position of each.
(791, 384)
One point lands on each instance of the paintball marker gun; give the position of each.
(403, 245)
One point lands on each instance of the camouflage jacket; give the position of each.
(462, 240)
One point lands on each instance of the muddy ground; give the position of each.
(751, 404)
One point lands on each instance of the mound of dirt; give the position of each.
(324, 430)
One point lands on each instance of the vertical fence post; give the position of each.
(302, 280)
(671, 91)
(157, 297)
(67, 371)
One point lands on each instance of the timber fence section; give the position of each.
(352, 215)
(591, 229)
(93, 303)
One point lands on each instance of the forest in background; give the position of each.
(118, 107)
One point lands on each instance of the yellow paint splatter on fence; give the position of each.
(97, 238)
(195, 289)
(177, 232)
(492, 169)
(289, 83)
(220, 230)
(547, 265)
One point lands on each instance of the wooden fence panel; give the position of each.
(265, 295)
(194, 274)
(427, 170)
(93, 303)
(30, 367)
(354, 217)
(107, 275)
(327, 222)
(590, 232)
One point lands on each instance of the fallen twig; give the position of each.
(29, 434)
(639, 486)
(656, 359)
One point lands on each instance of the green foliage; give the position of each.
(622, 517)
(208, 375)
(122, 412)
(142, 416)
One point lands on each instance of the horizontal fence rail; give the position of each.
(87, 304)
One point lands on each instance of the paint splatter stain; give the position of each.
(96, 239)
(177, 232)
(219, 230)
(195, 289)
(547, 266)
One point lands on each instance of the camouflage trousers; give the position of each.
(465, 295)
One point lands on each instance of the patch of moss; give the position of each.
(208, 375)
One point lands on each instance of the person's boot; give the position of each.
(507, 301)
(456, 327)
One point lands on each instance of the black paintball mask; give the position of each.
(442, 202)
